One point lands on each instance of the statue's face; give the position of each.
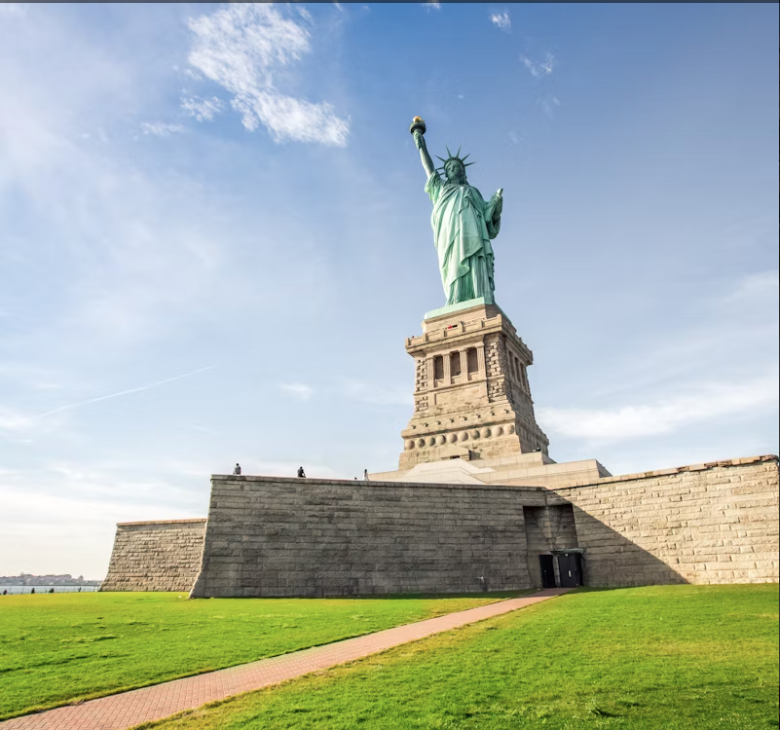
(456, 172)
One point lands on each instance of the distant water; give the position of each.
(13, 590)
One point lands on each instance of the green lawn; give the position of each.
(55, 649)
(667, 658)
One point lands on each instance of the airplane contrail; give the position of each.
(122, 392)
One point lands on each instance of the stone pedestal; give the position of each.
(472, 399)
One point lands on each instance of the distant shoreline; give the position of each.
(61, 588)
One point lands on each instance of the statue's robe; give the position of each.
(462, 233)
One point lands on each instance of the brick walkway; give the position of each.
(162, 700)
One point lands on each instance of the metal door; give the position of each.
(570, 569)
(548, 571)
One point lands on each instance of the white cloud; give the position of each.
(502, 20)
(204, 110)
(432, 6)
(629, 422)
(138, 251)
(240, 47)
(161, 129)
(299, 390)
(539, 69)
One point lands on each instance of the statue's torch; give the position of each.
(417, 123)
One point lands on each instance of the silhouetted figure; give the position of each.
(365, 475)
(51, 590)
(32, 591)
(5, 592)
(301, 472)
(237, 470)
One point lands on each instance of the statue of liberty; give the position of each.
(463, 224)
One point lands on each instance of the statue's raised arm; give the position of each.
(418, 130)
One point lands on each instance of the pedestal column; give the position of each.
(483, 415)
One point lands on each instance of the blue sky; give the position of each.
(214, 239)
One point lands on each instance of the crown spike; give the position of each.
(457, 154)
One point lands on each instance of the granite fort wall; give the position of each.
(268, 536)
(156, 556)
(706, 523)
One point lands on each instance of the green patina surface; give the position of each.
(451, 308)
(463, 225)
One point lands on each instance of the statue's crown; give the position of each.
(452, 158)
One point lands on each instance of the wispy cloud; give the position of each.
(742, 313)
(298, 390)
(539, 69)
(161, 129)
(240, 47)
(630, 422)
(371, 393)
(119, 394)
(550, 104)
(501, 20)
(352, 389)
(204, 110)
(12, 421)
(761, 287)
(432, 6)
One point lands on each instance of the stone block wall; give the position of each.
(269, 536)
(156, 556)
(706, 523)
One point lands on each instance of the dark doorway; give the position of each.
(570, 569)
(548, 571)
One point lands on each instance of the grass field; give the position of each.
(666, 658)
(55, 649)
